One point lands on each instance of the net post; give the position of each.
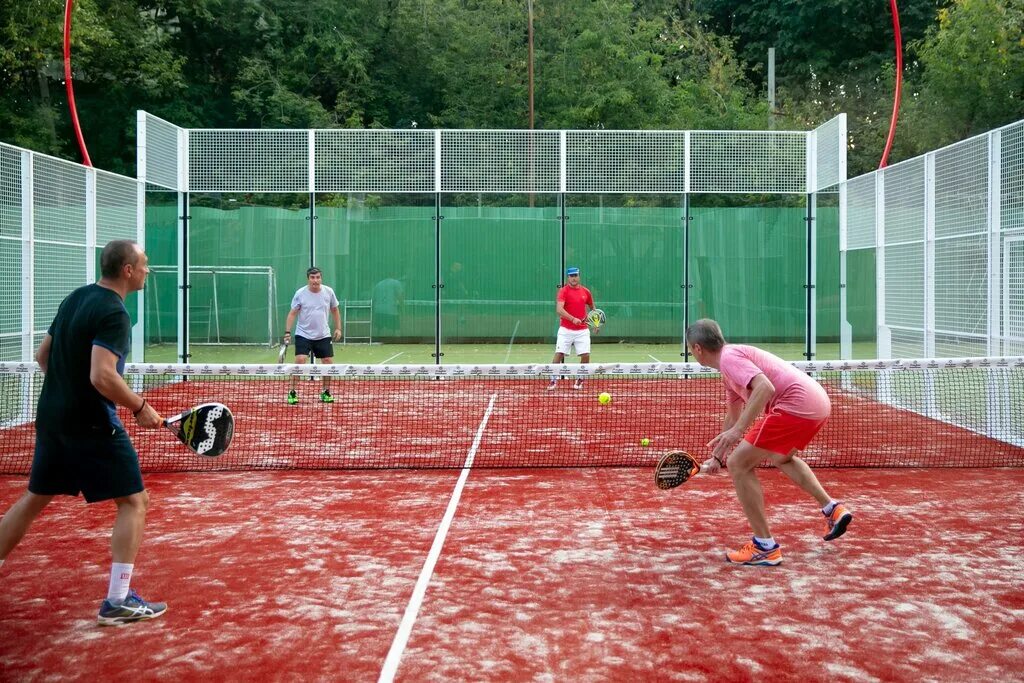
(930, 401)
(883, 342)
(28, 278)
(929, 255)
(90, 224)
(811, 275)
(845, 328)
(997, 297)
(139, 332)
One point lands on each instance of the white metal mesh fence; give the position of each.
(374, 160)
(53, 215)
(951, 274)
(499, 161)
(1011, 251)
(626, 161)
(961, 248)
(116, 208)
(158, 154)
(723, 162)
(248, 161)
(904, 258)
(59, 233)
(10, 253)
(860, 212)
(830, 153)
(503, 161)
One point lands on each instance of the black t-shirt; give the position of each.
(90, 315)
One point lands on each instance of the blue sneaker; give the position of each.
(132, 608)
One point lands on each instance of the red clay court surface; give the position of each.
(587, 574)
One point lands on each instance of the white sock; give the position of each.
(120, 577)
(827, 510)
(765, 543)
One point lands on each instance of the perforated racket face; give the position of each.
(207, 429)
(596, 318)
(675, 468)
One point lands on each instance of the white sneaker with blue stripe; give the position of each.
(132, 608)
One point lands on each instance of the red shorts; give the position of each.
(782, 433)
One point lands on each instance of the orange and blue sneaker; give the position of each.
(754, 554)
(837, 522)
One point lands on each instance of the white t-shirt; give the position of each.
(313, 309)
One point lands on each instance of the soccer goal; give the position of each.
(227, 304)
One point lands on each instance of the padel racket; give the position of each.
(282, 351)
(206, 429)
(674, 469)
(596, 318)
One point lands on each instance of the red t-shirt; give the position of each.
(575, 300)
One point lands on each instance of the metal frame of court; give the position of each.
(436, 162)
(943, 233)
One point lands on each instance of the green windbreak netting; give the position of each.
(630, 254)
(861, 301)
(380, 260)
(826, 287)
(748, 269)
(500, 264)
(487, 272)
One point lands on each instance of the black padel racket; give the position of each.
(206, 429)
(675, 468)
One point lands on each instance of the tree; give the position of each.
(973, 72)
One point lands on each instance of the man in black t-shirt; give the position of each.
(81, 444)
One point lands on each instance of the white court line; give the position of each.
(387, 674)
(511, 341)
(653, 358)
(392, 358)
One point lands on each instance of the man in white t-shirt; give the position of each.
(795, 408)
(310, 306)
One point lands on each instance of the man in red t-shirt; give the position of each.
(571, 306)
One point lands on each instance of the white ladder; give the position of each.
(357, 323)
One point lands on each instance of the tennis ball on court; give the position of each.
(604, 398)
(645, 441)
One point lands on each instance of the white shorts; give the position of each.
(567, 339)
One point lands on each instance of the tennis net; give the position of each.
(926, 413)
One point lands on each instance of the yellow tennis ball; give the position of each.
(645, 441)
(604, 398)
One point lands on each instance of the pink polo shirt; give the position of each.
(795, 392)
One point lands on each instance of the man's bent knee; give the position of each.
(138, 502)
(744, 458)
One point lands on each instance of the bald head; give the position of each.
(116, 255)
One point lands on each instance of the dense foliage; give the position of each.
(463, 64)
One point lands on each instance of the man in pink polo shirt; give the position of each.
(795, 408)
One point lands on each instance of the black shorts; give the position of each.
(100, 466)
(321, 348)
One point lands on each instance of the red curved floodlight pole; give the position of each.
(68, 7)
(899, 83)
